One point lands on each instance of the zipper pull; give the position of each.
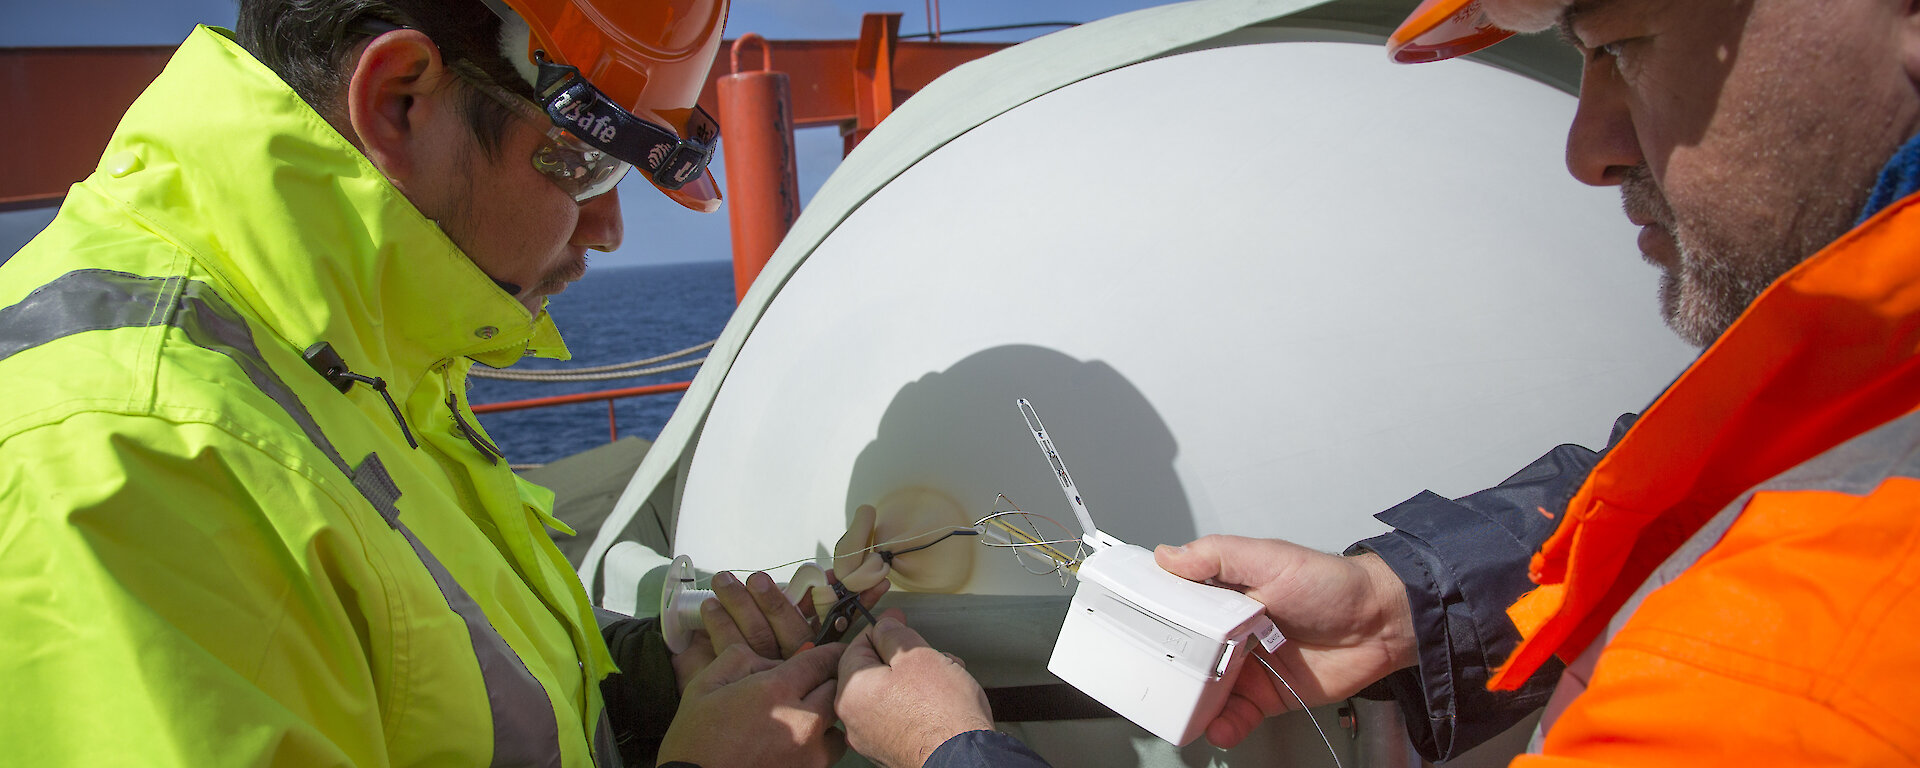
(328, 363)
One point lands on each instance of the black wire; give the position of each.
(887, 557)
(945, 32)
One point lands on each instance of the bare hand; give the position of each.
(744, 710)
(759, 616)
(1346, 620)
(900, 699)
(755, 614)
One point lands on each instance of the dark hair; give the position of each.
(309, 44)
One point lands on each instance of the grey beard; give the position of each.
(1723, 266)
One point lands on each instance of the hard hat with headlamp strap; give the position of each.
(624, 76)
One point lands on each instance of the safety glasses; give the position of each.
(577, 168)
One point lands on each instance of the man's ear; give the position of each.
(1910, 40)
(391, 101)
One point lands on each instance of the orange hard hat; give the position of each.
(624, 76)
(1443, 29)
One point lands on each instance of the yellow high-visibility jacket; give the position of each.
(209, 554)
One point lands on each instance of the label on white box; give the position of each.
(1270, 637)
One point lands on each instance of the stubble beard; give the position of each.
(1723, 264)
(557, 279)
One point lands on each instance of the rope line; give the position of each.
(625, 370)
(571, 376)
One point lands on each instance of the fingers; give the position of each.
(1255, 697)
(860, 655)
(1232, 725)
(743, 614)
(690, 662)
(819, 701)
(1256, 686)
(790, 629)
(734, 664)
(755, 614)
(808, 669)
(722, 633)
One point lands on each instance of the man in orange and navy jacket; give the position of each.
(1736, 579)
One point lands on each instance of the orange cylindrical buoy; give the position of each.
(763, 187)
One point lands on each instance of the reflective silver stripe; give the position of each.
(1859, 465)
(524, 733)
(99, 299)
(60, 309)
(524, 728)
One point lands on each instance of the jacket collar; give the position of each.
(298, 226)
(1829, 351)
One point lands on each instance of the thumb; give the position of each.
(860, 655)
(735, 664)
(1233, 560)
(809, 668)
(892, 636)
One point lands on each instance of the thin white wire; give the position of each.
(920, 535)
(1303, 705)
(926, 533)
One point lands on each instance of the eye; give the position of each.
(1618, 53)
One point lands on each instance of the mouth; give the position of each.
(569, 272)
(1647, 209)
(1657, 246)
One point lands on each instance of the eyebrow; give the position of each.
(1574, 13)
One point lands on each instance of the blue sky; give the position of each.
(658, 231)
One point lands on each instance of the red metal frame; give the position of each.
(58, 105)
(61, 105)
(609, 395)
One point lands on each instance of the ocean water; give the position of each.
(613, 315)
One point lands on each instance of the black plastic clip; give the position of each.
(333, 368)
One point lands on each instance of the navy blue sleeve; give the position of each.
(984, 749)
(1463, 562)
(642, 696)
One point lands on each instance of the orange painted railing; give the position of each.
(609, 395)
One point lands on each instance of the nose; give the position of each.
(1602, 144)
(600, 227)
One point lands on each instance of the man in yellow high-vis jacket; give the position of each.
(246, 515)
